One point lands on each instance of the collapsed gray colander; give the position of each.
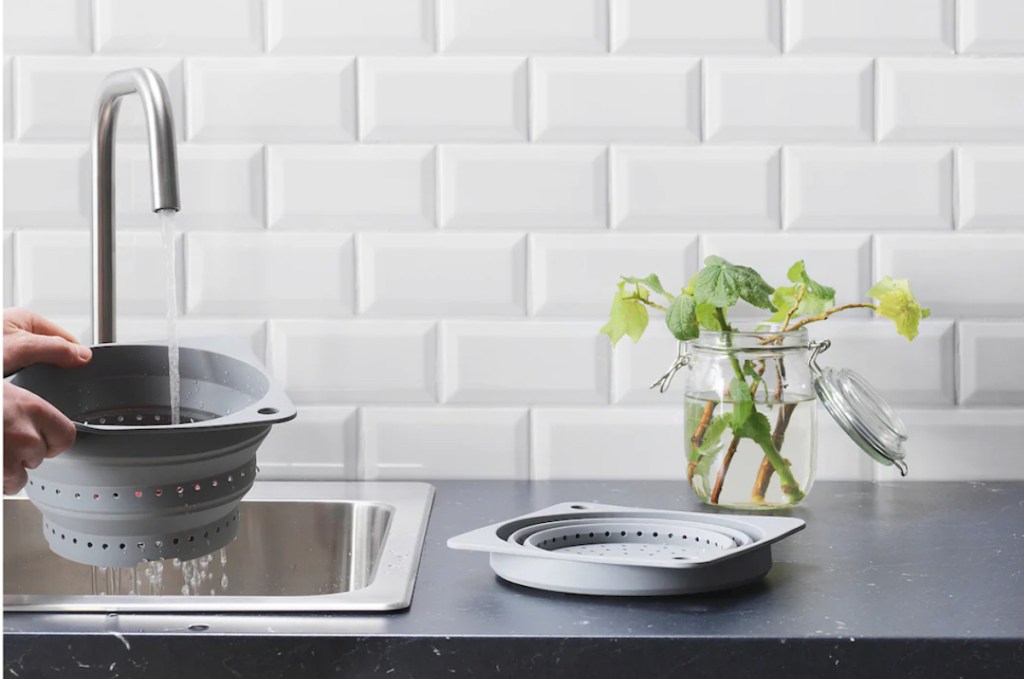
(134, 487)
(586, 548)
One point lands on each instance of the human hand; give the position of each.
(29, 338)
(33, 431)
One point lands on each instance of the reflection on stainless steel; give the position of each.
(353, 546)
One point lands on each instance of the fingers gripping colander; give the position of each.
(134, 487)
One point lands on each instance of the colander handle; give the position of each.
(682, 359)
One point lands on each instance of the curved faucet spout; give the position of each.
(163, 164)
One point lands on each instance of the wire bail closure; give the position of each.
(682, 360)
(816, 347)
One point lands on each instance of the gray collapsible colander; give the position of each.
(134, 487)
(586, 548)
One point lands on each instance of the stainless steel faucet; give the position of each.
(163, 165)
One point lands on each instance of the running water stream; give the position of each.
(173, 365)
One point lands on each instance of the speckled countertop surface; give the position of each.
(902, 580)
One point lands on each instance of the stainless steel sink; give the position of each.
(313, 546)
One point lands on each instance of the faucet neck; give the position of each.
(163, 163)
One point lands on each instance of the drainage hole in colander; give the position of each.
(578, 507)
(607, 534)
(623, 533)
(639, 533)
(159, 544)
(231, 479)
(267, 411)
(122, 546)
(180, 490)
(158, 492)
(62, 536)
(105, 545)
(141, 545)
(78, 496)
(95, 496)
(196, 486)
(191, 538)
(89, 545)
(57, 491)
(175, 541)
(591, 535)
(74, 541)
(42, 487)
(116, 495)
(214, 483)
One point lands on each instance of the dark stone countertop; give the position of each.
(890, 580)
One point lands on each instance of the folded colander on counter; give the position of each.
(587, 548)
(134, 487)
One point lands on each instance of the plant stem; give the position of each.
(764, 472)
(698, 436)
(653, 305)
(828, 312)
(724, 469)
(796, 303)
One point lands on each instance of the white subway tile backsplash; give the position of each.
(269, 274)
(964, 275)
(8, 268)
(442, 274)
(951, 99)
(991, 26)
(443, 99)
(917, 373)
(695, 188)
(881, 188)
(351, 187)
(602, 443)
(524, 26)
(330, 361)
(320, 444)
(46, 26)
(616, 99)
(252, 333)
(524, 363)
(870, 26)
(523, 187)
(448, 443)
(991, 373)
(179, 27)
(46, 185)
(636, 366)
(332, 27)
(221, 187)
(961, 445)
(53, 272)
(272, 100)
(842, 261)
(788, 100)
(696, 26)
(54, 97)
(839, 458)
(576, 275)
(8, 98)
(991, 178)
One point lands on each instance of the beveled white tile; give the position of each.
(842, 261)
(46, 185)
(987, 279)
(53, 272)
(269, 274)
(332, 27)
(839, 458)
(8, 272)
(950, 100)
(320, 444)
(607, 443)
(524, 26)
(442, 275)
(788, 100)
(8, 98)
(445, 443)
(252, 332)
(181, 27)
(991, 26)
(54, 96)
(351, 187)
(636, 366)
(627, 99)
(695, 188)
(300, 99)
(329, 361)
(990, 374)
(442, 99)
(523, 187)
(939, 438)
(524, 363)
(576, 275)
(221, 187)
(989, 189)
(876, 188)
(870, 26)
(917, 373)
(696, 26)
(46, 26)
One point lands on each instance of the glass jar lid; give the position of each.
(860, 411)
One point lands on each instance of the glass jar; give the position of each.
(756, 382)
(751, 415)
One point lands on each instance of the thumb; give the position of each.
(26, 348)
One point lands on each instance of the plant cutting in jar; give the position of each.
(752, 395)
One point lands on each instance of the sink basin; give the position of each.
(301, 546)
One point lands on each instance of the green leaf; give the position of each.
(897, 303)
(815, 296)
(756, 379)
(742, 402)
(756, 427)
(627, 317)
(712, 441)
(798, 274)
(722, 284)
(652, 281)
(707, 318)
(681, 318)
